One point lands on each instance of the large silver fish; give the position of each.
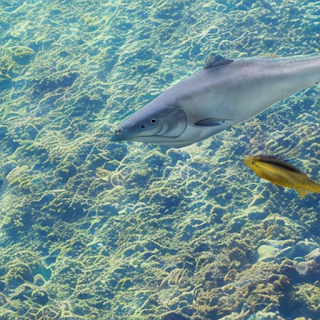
(224, 93)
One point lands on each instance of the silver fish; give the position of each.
(224, 93)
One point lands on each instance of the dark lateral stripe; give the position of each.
(279, 163)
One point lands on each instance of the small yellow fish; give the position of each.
(281, 173)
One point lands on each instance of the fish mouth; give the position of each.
(170, 126)
(125, 133)
(118, 135)
(155, 139)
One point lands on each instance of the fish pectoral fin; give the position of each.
(302, 192)
(211, 122)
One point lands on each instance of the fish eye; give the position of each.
(252, 161)
(153, 121)
(142, 126)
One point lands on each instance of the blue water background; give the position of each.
(94, 229)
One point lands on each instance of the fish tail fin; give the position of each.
(303, 192)
(313, 188)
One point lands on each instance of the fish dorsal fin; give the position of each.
(302, 192)
(216, 60)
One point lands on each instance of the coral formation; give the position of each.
(93, 229)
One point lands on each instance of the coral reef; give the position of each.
(93, 229)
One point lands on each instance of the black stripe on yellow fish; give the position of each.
(282, 174)
(279, 163)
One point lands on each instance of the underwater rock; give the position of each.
(267, 253)
(304, 269)
(39, 280)
(302, 248)
(314, 255)
(299, 250)
(39, 296)
(174, 316)
(273, 249)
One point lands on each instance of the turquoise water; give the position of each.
(94, 229)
